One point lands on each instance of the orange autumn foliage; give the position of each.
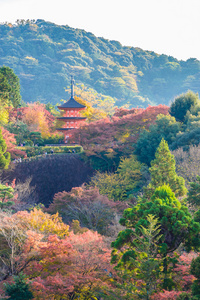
(38, 119)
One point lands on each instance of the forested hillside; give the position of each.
(114, 214)
(44, 55)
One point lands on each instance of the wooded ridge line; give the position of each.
(44, 55)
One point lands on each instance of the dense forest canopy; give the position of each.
(44, 55)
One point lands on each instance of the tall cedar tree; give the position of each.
(13, 81)
(4, 99)
(163, 171)
(4, 156)
(5, 90)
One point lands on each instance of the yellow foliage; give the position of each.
(36, 119)
(4, 115)
(140, 73)
(110, 153)
(124, 137)
(76, 228)
(129, 75)
(110, 185)
(91, 113)
(45, 223)
(98, 106)
(118, 185)
(31, 58)
(118, 80)
(118, 53)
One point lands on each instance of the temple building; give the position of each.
(71, 114)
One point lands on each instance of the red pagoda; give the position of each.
(71, 115)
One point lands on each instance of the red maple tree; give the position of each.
(11, 144)
(76, 265)
(119, 133)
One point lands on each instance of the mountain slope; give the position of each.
(44, 55)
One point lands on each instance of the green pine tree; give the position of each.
(140, 262)
(6, 194)
(163, 171)
(19, 290)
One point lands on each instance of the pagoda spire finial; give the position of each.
(72, 87)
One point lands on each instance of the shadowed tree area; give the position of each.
(50, 175)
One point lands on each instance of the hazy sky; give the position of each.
(169, 27)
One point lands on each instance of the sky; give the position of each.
(169, 27)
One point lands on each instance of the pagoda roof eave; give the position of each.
(71, 103)
(67, 108)
(64, 129)
(71, 118)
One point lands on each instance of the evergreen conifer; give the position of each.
(163, 171)
(19, 290)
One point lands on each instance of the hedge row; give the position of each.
(34, 151)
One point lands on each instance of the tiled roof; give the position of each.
(71, 118)
(64, 129)
(71, 103)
